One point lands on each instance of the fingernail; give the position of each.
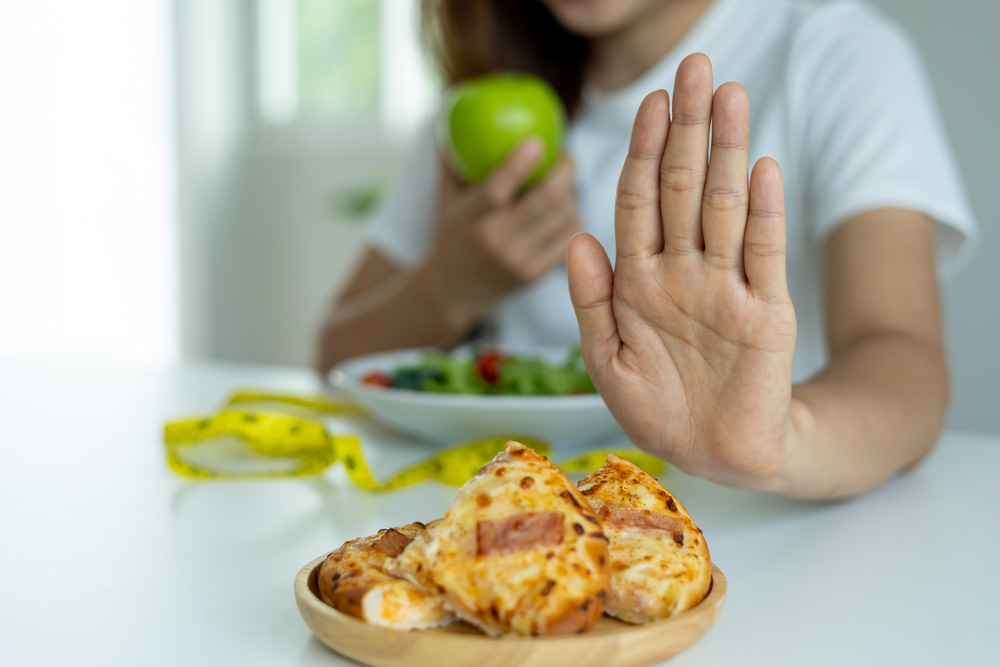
(531, 148)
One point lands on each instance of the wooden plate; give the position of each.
(611, 643)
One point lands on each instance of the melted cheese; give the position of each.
(542, 589)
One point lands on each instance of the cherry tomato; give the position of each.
(377, 378)
(488, 364)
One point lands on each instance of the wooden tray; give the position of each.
(610, 643)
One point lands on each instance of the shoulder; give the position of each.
(846, 32)
(848, 63)
(817, 23)
(802, 46)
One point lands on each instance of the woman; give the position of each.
(692, 339)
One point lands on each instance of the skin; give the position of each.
(627, 37)
(690, 337)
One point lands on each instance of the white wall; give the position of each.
(212, 83)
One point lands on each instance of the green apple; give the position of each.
(485, 118)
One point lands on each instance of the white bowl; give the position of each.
(455, 418)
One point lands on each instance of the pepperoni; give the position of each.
(391, 543)
(519, 532)
(619, 516)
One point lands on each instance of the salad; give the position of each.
(489, 371)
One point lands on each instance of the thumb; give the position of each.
(506, 180)
(591, 285)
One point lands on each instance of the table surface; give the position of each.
(109, 558)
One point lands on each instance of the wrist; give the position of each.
(799, 474)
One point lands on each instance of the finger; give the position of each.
(591, 283)
(503, 184)
(727, 192)
(551, 194)
(764, 242)
(685, 161)
(638, 229)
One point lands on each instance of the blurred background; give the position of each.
(190, 179)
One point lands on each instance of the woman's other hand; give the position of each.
(491, 238)
(495, 236)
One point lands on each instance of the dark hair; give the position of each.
(469, 38)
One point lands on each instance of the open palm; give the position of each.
(690, 338)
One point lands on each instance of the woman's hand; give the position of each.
(495, 237)
(690, 338)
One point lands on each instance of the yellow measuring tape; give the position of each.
(245, 442)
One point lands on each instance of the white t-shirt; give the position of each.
(837, 97)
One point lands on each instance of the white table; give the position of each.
(107, 558)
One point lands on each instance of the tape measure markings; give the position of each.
(275, 434)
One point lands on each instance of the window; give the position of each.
(347, 72)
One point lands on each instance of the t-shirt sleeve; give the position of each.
(403, 227)
(871, 133)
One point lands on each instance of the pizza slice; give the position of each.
(353, 580)
(518, 551)
(660, 563)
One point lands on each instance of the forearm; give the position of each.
(408, 310)
(876, 410)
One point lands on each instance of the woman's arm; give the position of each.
(880, 404)
(385, 308)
